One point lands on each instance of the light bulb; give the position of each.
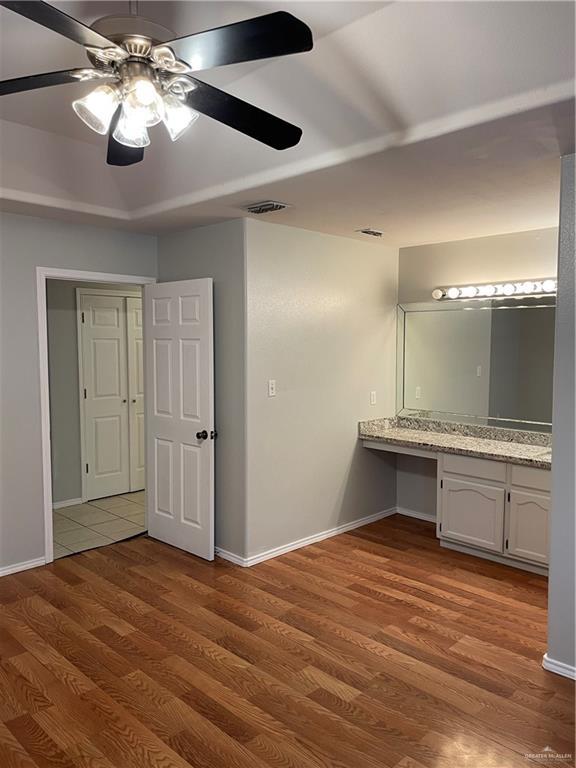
(528, 287)
(143, 97)
(453, 293)
(438, 294)
(98, 107)
(131, 131)
(489, 290)
(177, 116)
(508, 289)
(549, 286)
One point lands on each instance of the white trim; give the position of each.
(382, 445)
(67, 503)
(42, 275)
(246, 562)
(558, 667)
(414, 513)
(542, 570)
(25, 566)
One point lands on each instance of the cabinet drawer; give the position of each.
(531, 477)
(486, 469)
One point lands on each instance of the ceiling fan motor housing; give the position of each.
(136, 34)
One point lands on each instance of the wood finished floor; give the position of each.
(373, 649)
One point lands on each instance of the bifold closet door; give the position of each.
(104, 370)
(136, 392)
(179, 384)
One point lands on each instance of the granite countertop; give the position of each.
(514, 446)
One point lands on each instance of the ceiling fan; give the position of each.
(144, 76)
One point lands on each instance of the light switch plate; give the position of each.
(271, 387)
(373, 397)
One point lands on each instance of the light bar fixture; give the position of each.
(540, 287)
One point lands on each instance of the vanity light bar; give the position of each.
(541, 287)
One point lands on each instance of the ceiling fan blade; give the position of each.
(48, 16)
(275, 34)
(119, 154)
(243, 117)
(46, 79)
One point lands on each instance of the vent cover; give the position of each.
(266, 206)
(370, 231)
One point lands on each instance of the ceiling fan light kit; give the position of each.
(144, 80)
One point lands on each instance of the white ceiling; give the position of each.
(430, 120)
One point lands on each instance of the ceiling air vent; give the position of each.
(266, 206)
(370, 231)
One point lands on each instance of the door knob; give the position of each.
(124, 401)
(202, 435)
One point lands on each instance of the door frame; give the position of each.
(118, 292)
(42, 275)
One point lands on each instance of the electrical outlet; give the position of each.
(373, 398)
(418, 393)
(271, 387)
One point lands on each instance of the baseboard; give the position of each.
(25, 566)
(246, 562)
(541, 570)
(414, 513)
(67, 503)
(558, 667)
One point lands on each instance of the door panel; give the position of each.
(136, 392)
(106, 399)
(179, 380)
(528, 522)
(472, 513)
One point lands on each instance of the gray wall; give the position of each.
(561, 619)
(321, 320)
(27, 242)
(64, 385)
(218, 251)
(478, 260)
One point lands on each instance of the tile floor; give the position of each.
(98, 523)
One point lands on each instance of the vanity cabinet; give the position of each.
(494, 507)
(473, 513)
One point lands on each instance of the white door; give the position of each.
(528, 521)
(136, 392)
(179, 384)
(104, 367)
(472, 513)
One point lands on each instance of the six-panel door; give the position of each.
(528, 522)
(473, 513)
(179, 384)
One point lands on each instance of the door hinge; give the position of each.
(84, 393)
(440, 527)
(86, 468)
(508, 496)
(506, 546)
(441, 483)
(82, 316)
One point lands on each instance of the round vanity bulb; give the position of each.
(549, 286)
(438, 294)
(98, 107)
(508, 289)
(529, 287)
(489, 290)
(453, 293)
(131, 131)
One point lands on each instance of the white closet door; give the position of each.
(104, 367)
(136, 392)
(179, 385)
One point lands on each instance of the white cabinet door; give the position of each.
(136, 392)
(528, 521)
(472, 513)
(179, 384)
(104, 368)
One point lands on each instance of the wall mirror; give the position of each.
(484, 361)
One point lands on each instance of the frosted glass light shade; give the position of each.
(143, 97)
(98, 107)
(131, 131)
(177, 116)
